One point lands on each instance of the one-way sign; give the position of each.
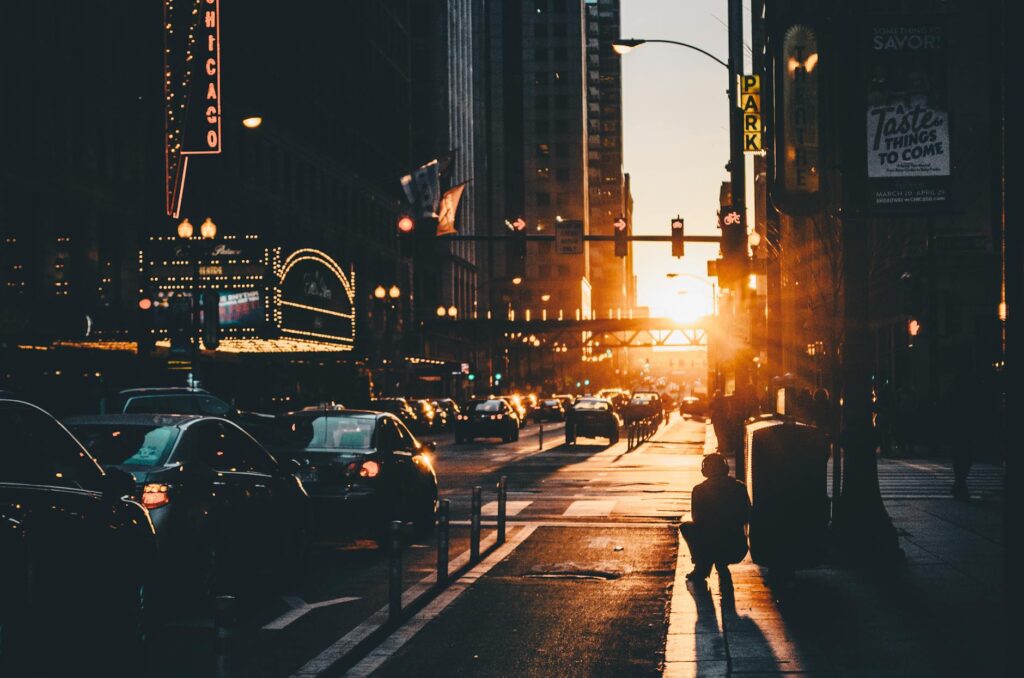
(569, 237)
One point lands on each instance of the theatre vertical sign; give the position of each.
(908, 116)
(192, 89)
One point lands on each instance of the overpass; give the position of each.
(603, 333)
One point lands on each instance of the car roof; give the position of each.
(334, 413)
(163, 390)
(136, 419)
(593, 399)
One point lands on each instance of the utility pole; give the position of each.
(738, 179)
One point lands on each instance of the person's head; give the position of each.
(821, 396)
(714, 466)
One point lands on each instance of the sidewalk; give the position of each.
(940, 613)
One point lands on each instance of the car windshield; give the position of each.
(596, 405)
(348, 432)
(488, 406)
(130, 445)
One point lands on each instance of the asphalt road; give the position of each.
(580, 587)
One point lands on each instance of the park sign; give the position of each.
(750, 106)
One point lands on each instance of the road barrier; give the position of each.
(443, 541)
(474, 527)
(502, 503)
(224, 626)
(639, 431)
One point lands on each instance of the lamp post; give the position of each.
(386, 299)
(194, 249)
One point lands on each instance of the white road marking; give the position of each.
(401, 636)
(601, 507)
(323, 661)
(300, 608)
(512, 508)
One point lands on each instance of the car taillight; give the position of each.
(155, 495)
(369, 469)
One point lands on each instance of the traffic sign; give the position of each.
(569, 237)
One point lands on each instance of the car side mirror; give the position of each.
(117, 484)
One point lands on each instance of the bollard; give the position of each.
(443, 540)
(224, 622)
(540, 438)
(502, 503)
(474, 527)
(395, 572)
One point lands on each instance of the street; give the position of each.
(588, 583)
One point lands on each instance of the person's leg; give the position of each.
(698, 550)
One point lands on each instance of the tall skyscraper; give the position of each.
(610, 276)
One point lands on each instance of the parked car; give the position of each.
(549, 409)
(493, 418)
(182, 400)
(79, 553)
(399, 407)
(362, 470)
(645, 404)
(221, 504)
(592, 418)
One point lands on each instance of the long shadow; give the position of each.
(747, 647)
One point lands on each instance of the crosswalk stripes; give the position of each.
(900, 479)
(512, 508)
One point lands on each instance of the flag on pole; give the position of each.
(449, 208)
(423, 189)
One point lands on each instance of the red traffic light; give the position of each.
(678, 242)
(145, 304)
(406, 224)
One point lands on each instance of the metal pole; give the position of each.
(540, 437)
(443, 541)
(474, 527)
(395, 572)
(224, 619)
(502, 507)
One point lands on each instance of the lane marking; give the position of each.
(601, 507)
(330, 656)
(625, 524)
(405, 633)
(512, 508)
(300, 608)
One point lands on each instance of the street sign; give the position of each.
(750, 103)
(569, 237)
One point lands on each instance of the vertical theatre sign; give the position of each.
(797, 185)
(192, 90)
(907, 141)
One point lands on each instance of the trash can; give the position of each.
(786, 476)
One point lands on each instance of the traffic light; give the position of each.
(621, 242)
(678, 244)
(145, 322)
(732, 270)
(517, 263)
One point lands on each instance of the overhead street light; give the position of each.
(394, 292)
(627, 45)
(252, 122)
(379, 292)
(185, 229)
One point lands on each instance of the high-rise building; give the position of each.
(610, 276)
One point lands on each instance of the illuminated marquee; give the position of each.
(315, 300)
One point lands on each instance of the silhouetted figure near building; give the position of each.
(820, 410)
(716, 410)
(720, 510)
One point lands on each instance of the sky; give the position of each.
(675, 144)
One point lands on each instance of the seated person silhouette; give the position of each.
(720, 510)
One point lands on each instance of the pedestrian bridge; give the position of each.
(602, 333)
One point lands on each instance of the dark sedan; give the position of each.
(79, 554)
(220, 502)
(549, 409)
(592, 418)
(494, 418)
(399, 407)
(362, 469)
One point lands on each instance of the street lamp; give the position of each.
(627, 45)
(252, 122)
(394, 292)
(441, 311)
(452, 311)
(208, 229)
(185, 229)
(379, 292)
(517, 280)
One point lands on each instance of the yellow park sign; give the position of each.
(750, 106)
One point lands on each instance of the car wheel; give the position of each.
(515, 436)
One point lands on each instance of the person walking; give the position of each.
(716, 535)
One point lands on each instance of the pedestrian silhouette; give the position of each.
(963, 417)
(720, 510)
